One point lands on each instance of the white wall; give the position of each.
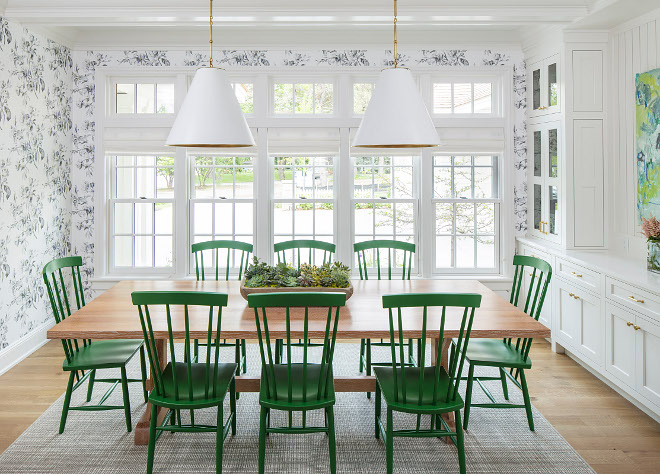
(635, 48)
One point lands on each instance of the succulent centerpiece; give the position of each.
(262, 278)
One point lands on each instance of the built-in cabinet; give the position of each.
(543, 96)
(544, 152)
(607, 322)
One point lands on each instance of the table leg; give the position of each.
(142, 428)
(444, 360)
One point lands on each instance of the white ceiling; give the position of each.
(304, 23)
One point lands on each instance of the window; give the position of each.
(144, 98)
(466, 204)
(303, 205)
(302, 98)
(141, 207)
(463, 98)
(385, 200)
(222, 201)
(245, 94)
(303, 180)
(361, 96)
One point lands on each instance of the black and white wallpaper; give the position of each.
(36, 132)
(86, 62)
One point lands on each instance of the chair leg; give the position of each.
(152, 439)
(262, 440)
(244, 348)
(331, 439)
(127, 401)
(468, 396)
(237, 358)
(389, 443)
(67, 401)
(232, 405)
(411, 358)
(277, 351)
(143, 370)
(90, 385)
(368, 362)
(378, 411)
(196, 349)
(219, 440)
(460, 442)
(362, 345)
(505, 387)
(528, 404)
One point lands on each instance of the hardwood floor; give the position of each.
(609, 432)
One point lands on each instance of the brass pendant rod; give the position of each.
(395, 38)
(211, 33)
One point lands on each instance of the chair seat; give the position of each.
(200, 379)
(310, 384)
(495, 353)
(429, 403)
(103, 354)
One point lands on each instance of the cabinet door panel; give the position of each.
(591, 326)
(647, 362)
(568, 316)
(588, 183)
(620, 344)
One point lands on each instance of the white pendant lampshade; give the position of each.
(210, 115)
(396, 116)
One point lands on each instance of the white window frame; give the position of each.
(497, 203)
(111, 201)
(233, 270)
(301, 79)
(111, 107)
(497, 106)
(138, 133)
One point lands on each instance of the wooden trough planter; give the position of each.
(245, 291)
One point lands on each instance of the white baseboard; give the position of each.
(19, 350)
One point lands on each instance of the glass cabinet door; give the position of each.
(536, 89)
(553, 85)
(552, 225)
(545, 184)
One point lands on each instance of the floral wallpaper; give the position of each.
(86, 62)
(35, 180)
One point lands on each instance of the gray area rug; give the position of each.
(497, 441)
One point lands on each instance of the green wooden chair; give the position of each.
(281, 248)
(509, 354)
(302, 386)
(423, 390)
(245, 250)
(82, 357)
(187, 384)
(362, 249)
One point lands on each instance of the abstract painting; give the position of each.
(648, 144)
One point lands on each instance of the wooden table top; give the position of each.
(112, 315)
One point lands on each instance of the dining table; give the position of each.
(112, 315)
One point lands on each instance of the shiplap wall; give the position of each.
(635, 48)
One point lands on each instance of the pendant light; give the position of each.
(210, 115)
(396, 116)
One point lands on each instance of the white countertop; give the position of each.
(615, 265)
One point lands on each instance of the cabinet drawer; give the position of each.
(634, 298)
(532, 252)
(577, 274)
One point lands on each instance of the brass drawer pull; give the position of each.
(629, 324)
(574, 296)
(635, 299)
(637, 328)
(576, 275)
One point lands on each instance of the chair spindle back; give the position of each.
(281, 248)
(58, 294)
(215, 246)
(297, 300)
(469, 302)
(361, 249)
(144, 299)
(541, 273)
